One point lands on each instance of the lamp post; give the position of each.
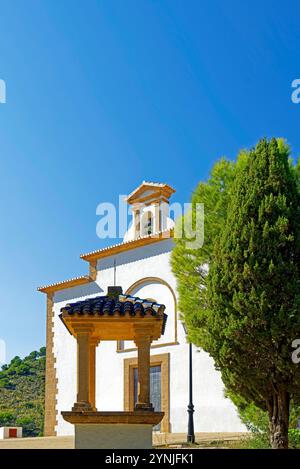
(190, 408)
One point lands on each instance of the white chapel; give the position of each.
(141, 266)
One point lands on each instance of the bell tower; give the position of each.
(150, 208)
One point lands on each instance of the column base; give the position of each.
(83, 407)
(147, 407)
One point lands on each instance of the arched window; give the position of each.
(134, 291)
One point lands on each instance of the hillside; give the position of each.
(22, 384)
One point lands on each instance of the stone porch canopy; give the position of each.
(122, 312)
(112, 317)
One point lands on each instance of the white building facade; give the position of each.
(141, 266)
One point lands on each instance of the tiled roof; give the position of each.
(73, 282)
(123, 305)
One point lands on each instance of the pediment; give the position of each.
(148, 191)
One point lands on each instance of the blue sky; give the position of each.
(104, 94)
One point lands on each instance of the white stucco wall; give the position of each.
(212, 411)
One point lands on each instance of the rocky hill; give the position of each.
(22, 384)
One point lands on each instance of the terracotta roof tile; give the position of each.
(122, 305)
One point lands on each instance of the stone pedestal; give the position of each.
(113, 430)
(114, 436)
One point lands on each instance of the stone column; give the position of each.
(92, 385)
(83, 370)
(137, 222)
(157, 218)
(143, 343)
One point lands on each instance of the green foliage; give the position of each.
(257, 441)
(261, 440)
(255, 419)
(15, 361)
(22, 393)
(6, 417)
(249, 328)
(296, 169)
(4, 382)
(294, 438)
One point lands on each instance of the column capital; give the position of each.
(142, 333)
(142, 339)
(94, 341)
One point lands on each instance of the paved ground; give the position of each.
(49, 442)
(67, 442)
(201, 438)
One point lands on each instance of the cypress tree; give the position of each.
(251, 312)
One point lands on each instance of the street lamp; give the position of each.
(190, 408)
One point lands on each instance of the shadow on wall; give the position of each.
(137, 254)
(75, 293)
